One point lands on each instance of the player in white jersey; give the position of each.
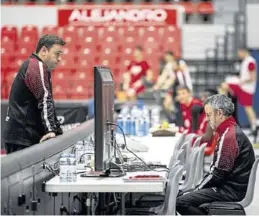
(244, 86)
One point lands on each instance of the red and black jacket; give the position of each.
(233, 160)
(31, 111)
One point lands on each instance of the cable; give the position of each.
(49, 168)
(110, 123)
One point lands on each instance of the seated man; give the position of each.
(181, 77)
(137, 76)
(232, 163)
(191, 109)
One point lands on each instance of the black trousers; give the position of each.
(10, 147)
(189, 203)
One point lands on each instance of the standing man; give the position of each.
(244, 86)
(31, 116)
(232, 163)
(167, 77)
(138, 75)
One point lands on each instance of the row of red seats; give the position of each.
(190, 7)
(66, 84)
(100, 46)
(74, 32)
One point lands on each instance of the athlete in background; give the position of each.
(193, 119)
(244, 85)
(138, 74)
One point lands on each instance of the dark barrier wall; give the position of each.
(70, 114)
(22, 172)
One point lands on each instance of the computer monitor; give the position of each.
(104, 111)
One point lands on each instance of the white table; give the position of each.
(160, 150)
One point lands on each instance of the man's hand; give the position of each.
(47, 136)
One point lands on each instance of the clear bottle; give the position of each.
(79, 150)
(72, 168)
(155, 116)
(128, 125)
(63, 167)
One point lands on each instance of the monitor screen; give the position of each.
(104, 111)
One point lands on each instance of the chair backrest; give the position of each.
(251, 185)
(171, 169)
(172, 190)
(189, 137)
(190, 170)
(180, 141)
(197, 142)
(177, 154)
(200, 165)
(187, 146)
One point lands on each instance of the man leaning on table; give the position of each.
(232, 162)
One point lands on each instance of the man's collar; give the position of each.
(230, 121)
(34, 55)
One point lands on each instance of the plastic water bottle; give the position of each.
(155, 116)
(145, 126)
(128, 125)
(120, 123)
(79, 150)
(124, 111)
(71, 174)
(63, 167)
(133, 126)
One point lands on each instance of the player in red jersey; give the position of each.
(138, 74)
(191, 108)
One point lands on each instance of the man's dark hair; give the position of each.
(139, 48)
(48, 41)
(183, 87)
(169, 52)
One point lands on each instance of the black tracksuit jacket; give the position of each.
(232, 163)
(31, 111)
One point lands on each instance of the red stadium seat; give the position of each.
(107, 60)
(30, 31)
(172, 31)
(110, 31)
(80, 92)
(49, 30)
(152, 31)
(89, 31)
(23, 52)
(60, 75)
(7, 50)
(17, 63)
(189, 7)
(67, 63)
(131, 31)
(69, 35)
(84, 64)
(87, 54)
(6, 61)
(28, 42)
(88, 42)
(110, 43)
(9, 31)
(8, 43)
(61, 90)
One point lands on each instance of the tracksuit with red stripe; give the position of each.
(31, 111)
(229, 171)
